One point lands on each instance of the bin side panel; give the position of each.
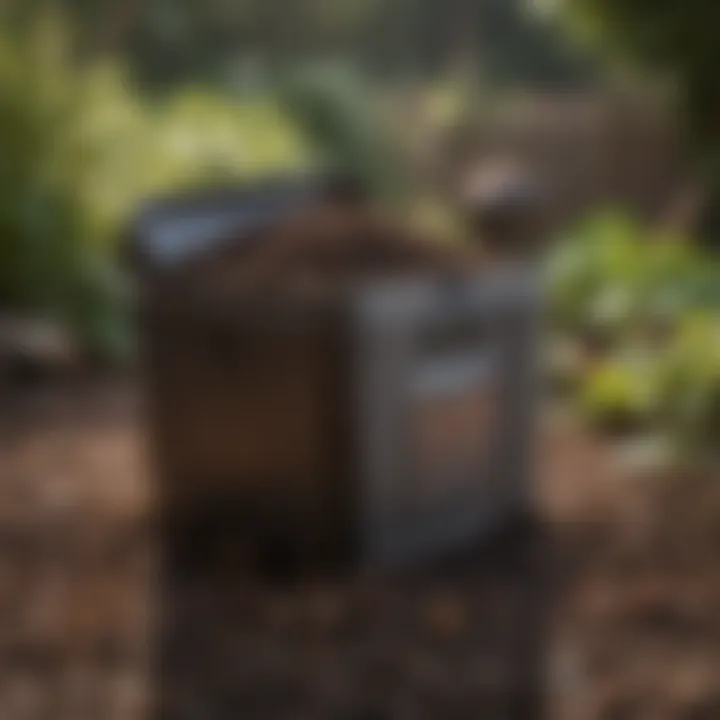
(249, 423)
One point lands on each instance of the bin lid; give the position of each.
(171, 232)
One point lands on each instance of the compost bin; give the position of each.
(325, 388)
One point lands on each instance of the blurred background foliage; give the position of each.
(673, 41)
(79, 149)
(104, 102)
(636, 322)
(107, 101)
(232, 41)
(641, 307)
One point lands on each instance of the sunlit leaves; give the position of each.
(79, 148)
(640, 313)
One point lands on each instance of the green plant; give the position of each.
(592, 274)
(621, 394)
(690, 376)
(340, 117)
(79, 149)
(612, 277)
(50, 262)
(641, 314)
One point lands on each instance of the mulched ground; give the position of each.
(621, 586)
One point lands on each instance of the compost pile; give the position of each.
(318, 254)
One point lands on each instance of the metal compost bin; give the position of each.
(389, 427)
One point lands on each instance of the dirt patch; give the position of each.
(636, 633)
(632, 629)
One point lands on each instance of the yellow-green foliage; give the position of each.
(691, 379)
(79, 148)
(621, 393)
(644, 311)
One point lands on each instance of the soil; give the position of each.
(609, 606)
(318, 253)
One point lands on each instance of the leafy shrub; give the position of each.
(79, 148)
(612, 277)
(341, 119)
(643, 313)
(690, 376)
(621, 394)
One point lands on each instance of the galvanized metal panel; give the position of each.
(444, 400)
